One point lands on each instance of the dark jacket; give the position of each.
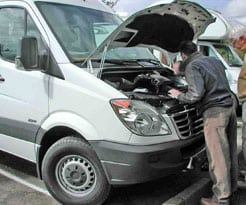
(207, 83)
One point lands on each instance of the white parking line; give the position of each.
(21, 181)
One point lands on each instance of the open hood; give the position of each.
(163, 26)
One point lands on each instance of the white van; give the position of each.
(91, 110)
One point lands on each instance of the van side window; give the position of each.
(228, 55)
(15, 23)
(11, 30)
(207, 51)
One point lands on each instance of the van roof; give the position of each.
(219, 30)
(95, 4)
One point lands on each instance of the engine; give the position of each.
(151, 87)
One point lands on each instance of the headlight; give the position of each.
(140, 118)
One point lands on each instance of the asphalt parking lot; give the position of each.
(13, 193)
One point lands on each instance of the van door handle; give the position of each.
(2, 79)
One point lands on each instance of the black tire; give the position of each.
(73, 174)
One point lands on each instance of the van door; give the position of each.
(23, 94)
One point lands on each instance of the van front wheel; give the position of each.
(73, 174)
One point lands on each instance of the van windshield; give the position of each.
(229, 55)
(81, 30)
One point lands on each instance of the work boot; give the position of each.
(213, 201)
(209, 201)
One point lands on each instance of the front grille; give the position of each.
(187, 121)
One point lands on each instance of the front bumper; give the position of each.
(131, 164)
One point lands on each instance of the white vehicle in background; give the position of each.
(215, 42)
(83, 98)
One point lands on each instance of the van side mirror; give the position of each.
(27, 58)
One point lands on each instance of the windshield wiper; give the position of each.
(132, 61)
(153, 61)
(122, 62)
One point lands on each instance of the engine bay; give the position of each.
(149, 85)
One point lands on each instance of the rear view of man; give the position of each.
(209, 89)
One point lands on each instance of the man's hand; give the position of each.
(174, 93)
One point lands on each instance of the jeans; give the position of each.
(220, 131)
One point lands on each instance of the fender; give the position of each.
(70, 120)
